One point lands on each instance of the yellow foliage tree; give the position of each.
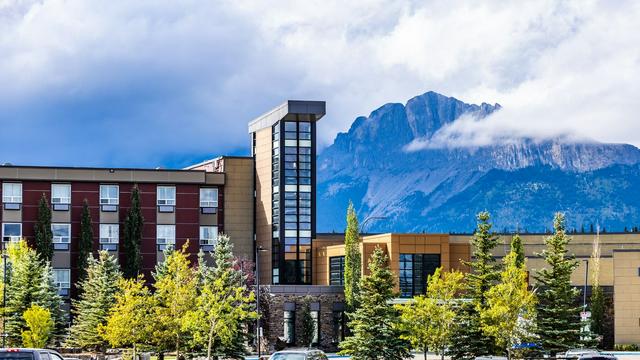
(39, 325)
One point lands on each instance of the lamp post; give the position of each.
(259, 249)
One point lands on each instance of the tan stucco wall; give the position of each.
(263, 159)
(627, 296)
(238, 205)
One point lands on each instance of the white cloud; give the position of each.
(188, 75)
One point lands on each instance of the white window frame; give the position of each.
(208, 241)
(166, 235)
(207, 202)
(61, 239)
(13, 238)
(62, 284)
(8, 196)
(66, 199)
(162, 198)
(109, 200)
(104, 232)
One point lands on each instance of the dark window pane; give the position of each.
(290, 126)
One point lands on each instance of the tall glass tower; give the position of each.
(284, 151)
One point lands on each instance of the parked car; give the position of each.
(576, 353)
(490, 357)
(29, 354)
(595, 356)
(304, 354)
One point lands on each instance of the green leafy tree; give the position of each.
(97, 295)
(376, 329)
(39, 325)
(558, 316)
(85, 243)
(471, 340)
(518, 249)
(352, 260)
(598, 304)
(133, 224)
(224, 306)
(29, 283)
(42, 230)
(130, 321)
(175, 297)
(308, 326)
(431, 319)
(510, 314)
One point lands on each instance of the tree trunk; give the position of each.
(508, 354)
(425, 353)
(442, 352)
(210, 343)
(177, 347)
(133, 357)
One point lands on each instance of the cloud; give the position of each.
(144, 83)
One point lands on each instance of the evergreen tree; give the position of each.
(558, 316)
(47, 297)
(597, 300)
(352, 259)
(308, 328)
(133, 224)
(130, 321)
(91, 310)
(174, 298)
(376, 325)
(85, 243)
(518, 249)
(471, 340)
(224, 306)
(42, 231)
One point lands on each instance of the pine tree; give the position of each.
(47, 296)
(352, 260)
(471, 340)
(518, 249)
(376, 325)
(91, 310)
(85, 243)
(308, 328)
(224, 306)
(558, 316)
(174, 298)
(133, 224)
(42, 231)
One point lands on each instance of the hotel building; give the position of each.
(267, 201)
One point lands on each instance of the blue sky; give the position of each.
(163, 83)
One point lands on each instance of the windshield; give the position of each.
(288, 356)
(16, 355)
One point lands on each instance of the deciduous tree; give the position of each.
(39, 327)
(376, 330)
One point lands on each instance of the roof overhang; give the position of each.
(289, 107)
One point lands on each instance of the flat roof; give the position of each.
(300, 107)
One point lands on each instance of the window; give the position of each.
(167, 195)
(11, 232)
(61, 236)
(336, 270)
(165, 236)
(289, 327)
(62, 280)
(61, 194)
(109, 194)
(209, 197)
(109, 236)
(414, 271)
(12, 193)
(208, 236)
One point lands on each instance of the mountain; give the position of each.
(406, 188)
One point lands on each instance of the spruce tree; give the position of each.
(42, 230)
(558, 315)
(376, 329)
(352, 260)
(85, 243)
(471, 340)
(518, 249)
(133, 224)
(47, 296)
(97, 296)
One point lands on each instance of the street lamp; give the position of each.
(259, 249)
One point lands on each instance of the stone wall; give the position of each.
(275, 299)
